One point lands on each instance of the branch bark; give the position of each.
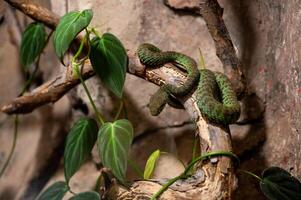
(212, 14)
(213, 180)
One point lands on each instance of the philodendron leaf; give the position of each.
(55, 192)
(113, 142)
(32, 44)
(68, 28)
(109, 60)
(86, 196)
(278, 184)
(80, 142)
(150, 164)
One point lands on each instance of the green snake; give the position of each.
(215, 97)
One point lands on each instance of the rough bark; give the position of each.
(217, 177)
(212, 13)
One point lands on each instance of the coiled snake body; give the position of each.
(215, 97)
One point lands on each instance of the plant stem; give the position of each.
(98, 114)
(95, 32)
(136, 168)
(16, 119)
(250, 173)
(119, 110)
(80, 49)
(78, 73)
(16, 122)
(190, 165)
(30, 79)
(72, 192)
(194, 148)
(210, 154)
(167, 185)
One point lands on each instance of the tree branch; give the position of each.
(212, 14)
(36, 12)
(214, 180)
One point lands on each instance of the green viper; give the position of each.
(215, 97)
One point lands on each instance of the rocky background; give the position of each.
(266, 37)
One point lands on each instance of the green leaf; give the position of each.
(278, 184)
(32, 44)
(109, 60)
(150, 164)
(114, 141)
(55, 192)
(86, 196)
(80, 142)
(68, 28)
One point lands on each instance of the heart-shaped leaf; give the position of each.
(32, 44)
(80, 142)
(86, 196)
(68, 28)
(114, 141)
(278, 184)
(55, 192)
(109, 60)
(150, 164)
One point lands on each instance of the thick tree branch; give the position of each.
(36, 12)
(212, 14)
(214, 180)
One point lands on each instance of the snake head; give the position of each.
(158, 101)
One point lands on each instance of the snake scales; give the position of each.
(215, 97)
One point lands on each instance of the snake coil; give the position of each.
(215, 96)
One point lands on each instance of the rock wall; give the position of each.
(265, 34)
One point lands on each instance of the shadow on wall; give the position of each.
(251, 158)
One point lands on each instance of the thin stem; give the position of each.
(194, 148)
(136, 168)
(72, 192)
(125, 111)
(250, 173)
(80, 49)
(119, 110)
(167, 185)
(98, 183)
(98, 114)
(78, 73)
(95, 32)
(16, 122)
(16, 119)
(88, 40)
(190, 165)
(30, 79)
(207, 155)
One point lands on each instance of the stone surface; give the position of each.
(266, 35)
